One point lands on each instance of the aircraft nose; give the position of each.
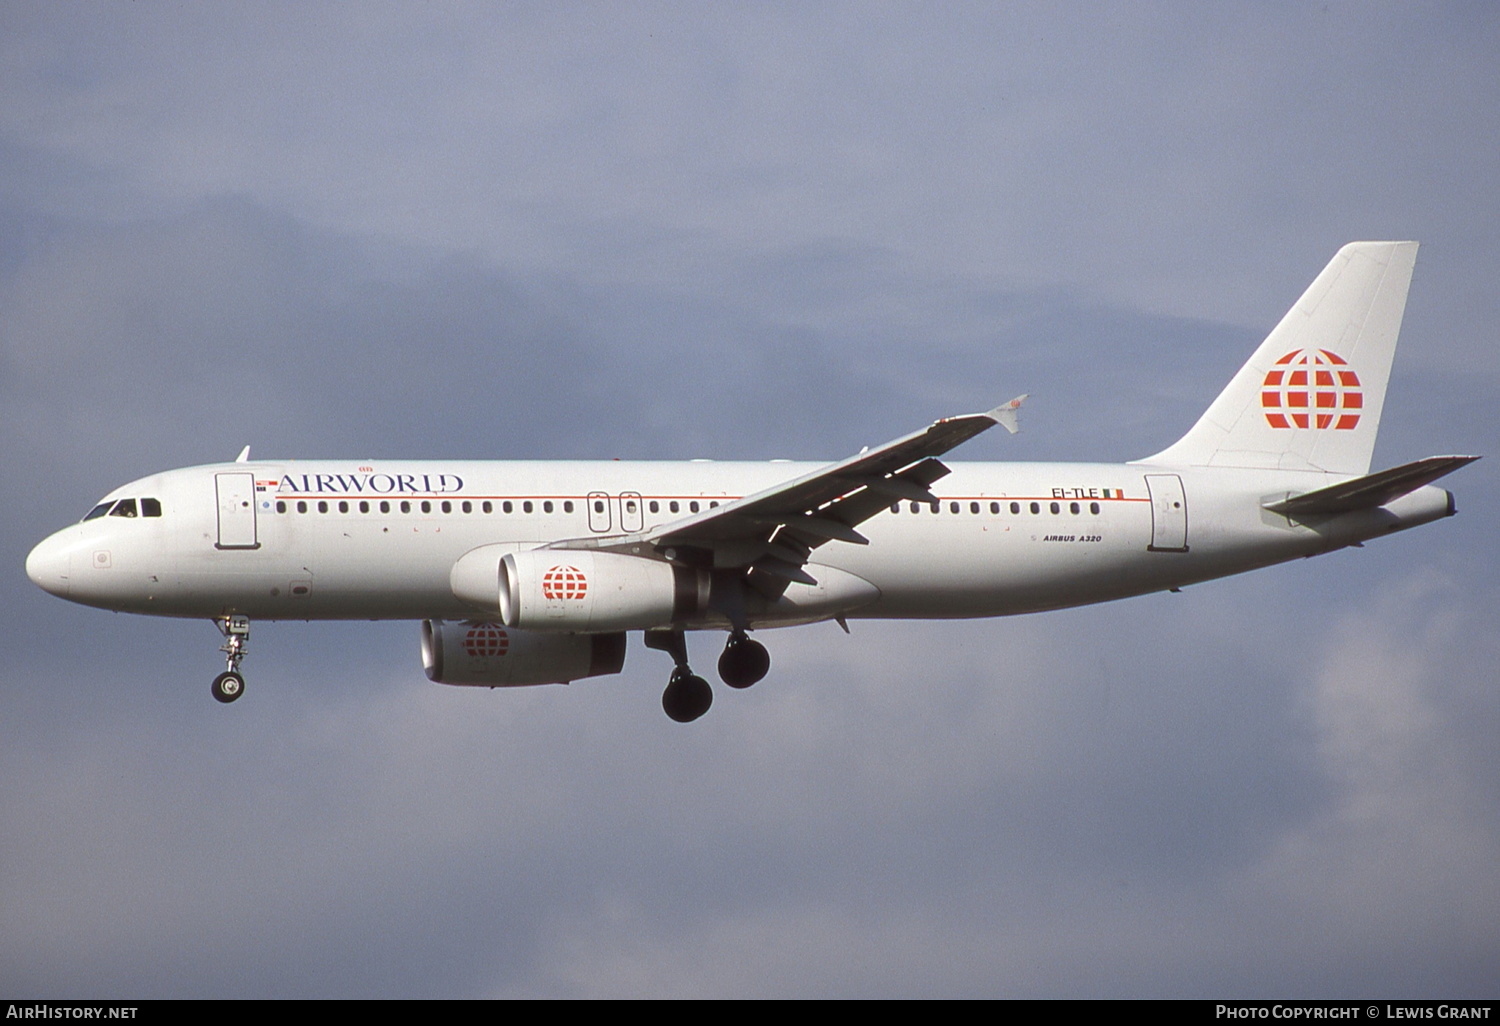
(47, 566)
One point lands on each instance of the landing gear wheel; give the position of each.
(228, 686)
(744, 662)
(687, 697)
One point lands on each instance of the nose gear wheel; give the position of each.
(230, 684)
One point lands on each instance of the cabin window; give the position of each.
(447, 506)
(1056, 508)
(364, 506)
(713, 504)
(937, 507)
(547, 506)
(995, 508)
(673, 506)
(1015, 507)
(916, 507)
(487, 506)
(1094, 508)
(426, 506)
(568, 506)
(973, 507)
(281, 505)
(322, 506)
(952, 507)
(508, 506)
(406, 505)
(1073, 508)
(526, 506)
(301, 505)
(655, 506)
(1036, 507)
(343, 506)
(385, 506)
(693, 506)
(895, 507)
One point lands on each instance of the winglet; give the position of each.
(1005, 413)
(244, 456)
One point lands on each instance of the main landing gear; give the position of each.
(688, 695)
(744, 662)
(229, 685)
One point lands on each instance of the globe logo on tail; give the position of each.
(564, 582)
(1312, 388)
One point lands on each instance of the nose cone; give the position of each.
(47, 566)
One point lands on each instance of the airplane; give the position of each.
(526, 573)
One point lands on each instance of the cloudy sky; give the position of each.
(744, 231)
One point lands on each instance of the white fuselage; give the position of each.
(378, 540)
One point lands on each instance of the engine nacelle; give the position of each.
(489, 655)
(580, 590)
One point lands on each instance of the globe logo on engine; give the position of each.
(1312, 388)
(564, 582)
(486, 639)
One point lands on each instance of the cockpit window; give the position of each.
(126, 508)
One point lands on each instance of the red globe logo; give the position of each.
(486, 639)
(1312, 388)
(564, 582)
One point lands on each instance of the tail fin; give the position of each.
(1310, 397)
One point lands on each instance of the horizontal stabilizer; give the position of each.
(1372, 490)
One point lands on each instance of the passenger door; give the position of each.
(236, 498)
(1168, 513)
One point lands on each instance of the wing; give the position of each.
(771, 534)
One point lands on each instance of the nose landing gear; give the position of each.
(230, 685)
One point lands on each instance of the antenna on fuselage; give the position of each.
(244, 456)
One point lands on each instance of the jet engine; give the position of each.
(578, 590)
(491, 655)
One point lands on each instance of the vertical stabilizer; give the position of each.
(1310, 397)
